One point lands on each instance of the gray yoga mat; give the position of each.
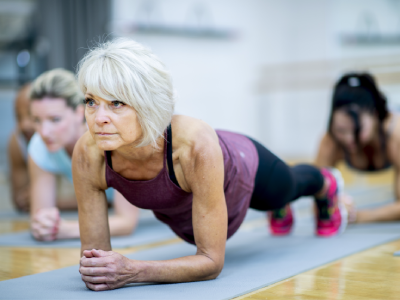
(253, 260)
(149, 230)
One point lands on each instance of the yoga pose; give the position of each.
(198, 181)
(58, 116)
(17, 150)
(366, 135)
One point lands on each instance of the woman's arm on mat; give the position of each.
(44, 214)
(18, 175)
(90, 186)
(329, 153)
(203, 168)
(390, 212)
(123, 222)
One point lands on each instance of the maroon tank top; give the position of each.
(173, 206)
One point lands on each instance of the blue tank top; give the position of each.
(58, 162)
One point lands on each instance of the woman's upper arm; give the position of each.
(43, 187)
(203, 168)
(90, 194)
(329, 152)
(18, 168)
(396, 165)
(17, 162)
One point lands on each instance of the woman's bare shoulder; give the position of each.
(191, 132)
(329, 152)
(87, 157)
(394, 143)
(395, 134)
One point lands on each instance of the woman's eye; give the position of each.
(55, 119)
(89, 102)
(117, 103)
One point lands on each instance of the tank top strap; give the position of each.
(165, 150)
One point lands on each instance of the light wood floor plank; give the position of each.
(371, 274)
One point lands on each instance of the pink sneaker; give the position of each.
(331, 214)
(281, 220)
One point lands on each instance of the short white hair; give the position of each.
(127, 71)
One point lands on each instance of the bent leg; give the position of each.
(277, 184)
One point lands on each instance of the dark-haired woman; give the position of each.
(365, 134)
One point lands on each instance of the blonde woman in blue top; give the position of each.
(58, 116)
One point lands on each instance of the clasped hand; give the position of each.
(105, 270)
(45, 224)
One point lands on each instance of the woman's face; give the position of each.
(57, 123)
(112, 124)
(343, 129)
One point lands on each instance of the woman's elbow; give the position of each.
(215, 270)
(130, 228)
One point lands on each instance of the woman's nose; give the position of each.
(45, 129)
(102, 115)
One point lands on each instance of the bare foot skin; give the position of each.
(348, 203)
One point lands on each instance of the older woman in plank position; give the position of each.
(197, 180)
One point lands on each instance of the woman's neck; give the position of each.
(142, 154)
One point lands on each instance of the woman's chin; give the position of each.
(106, 145)
(352, 150)
(53, 147)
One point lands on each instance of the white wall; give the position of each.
(274, 80)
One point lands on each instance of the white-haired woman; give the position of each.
(58, 116)
(197, 180)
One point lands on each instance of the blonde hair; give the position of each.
(57, 83)
(127, 71)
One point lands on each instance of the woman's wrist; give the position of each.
(68, 229)
(138, 271)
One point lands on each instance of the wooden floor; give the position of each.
(21, 261)
(371, 274)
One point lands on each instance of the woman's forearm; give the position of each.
(68, 229)
(387, 213)
(118, 226)
(121, 225)
(183, 269)
(20, 197)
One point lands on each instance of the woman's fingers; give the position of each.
(94, 279)
(101, 253)
(97, 287)
(94, 271)
(46, 220)
(51, 214)
(94, 262)
(45, 224)
(87, 254)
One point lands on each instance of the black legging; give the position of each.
(277, 184)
